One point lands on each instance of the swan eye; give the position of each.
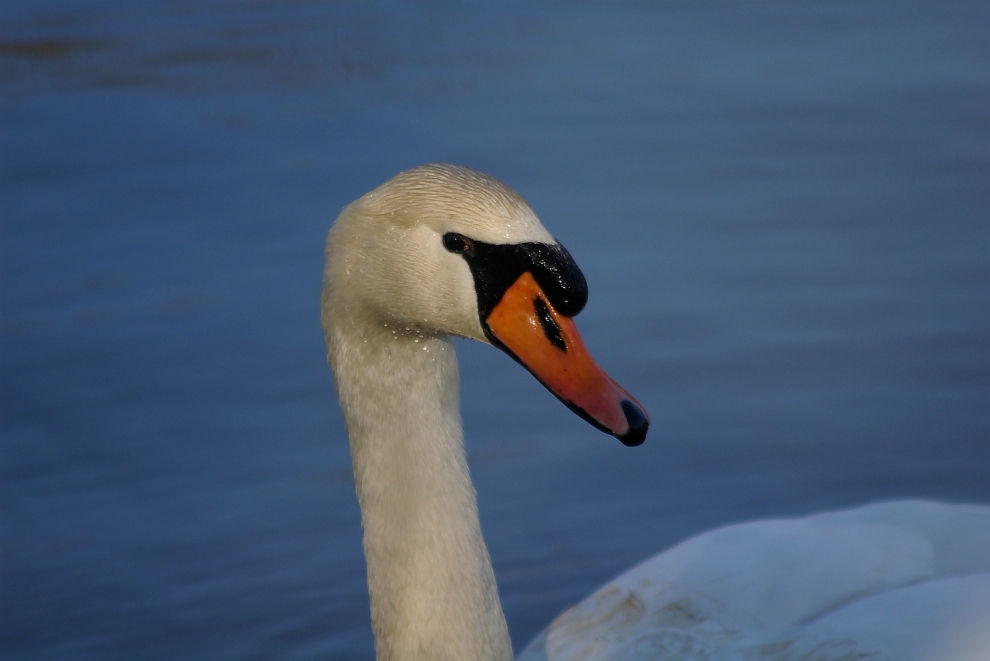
(456, 242)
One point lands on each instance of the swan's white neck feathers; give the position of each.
(393, 297)
(433, 593)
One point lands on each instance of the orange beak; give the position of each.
(548, 345)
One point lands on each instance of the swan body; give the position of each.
(903, 580)
(442, 251)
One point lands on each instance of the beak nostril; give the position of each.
(550, 327)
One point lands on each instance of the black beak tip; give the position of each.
(638, 425)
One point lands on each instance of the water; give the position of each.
(781, 210)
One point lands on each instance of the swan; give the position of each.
(442, 251)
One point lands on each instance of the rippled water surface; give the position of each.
(781, 208)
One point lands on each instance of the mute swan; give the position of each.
(442, 251)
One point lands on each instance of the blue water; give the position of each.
(781, 209)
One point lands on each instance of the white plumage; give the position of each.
(904, 581)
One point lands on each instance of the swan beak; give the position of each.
(547, 343)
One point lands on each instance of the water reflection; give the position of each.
(224, 48)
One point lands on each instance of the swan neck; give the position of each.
(432, 588)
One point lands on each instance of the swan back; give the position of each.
(907, 580)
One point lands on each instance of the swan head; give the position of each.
(445, 250)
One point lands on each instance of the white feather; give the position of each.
(906, 581)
